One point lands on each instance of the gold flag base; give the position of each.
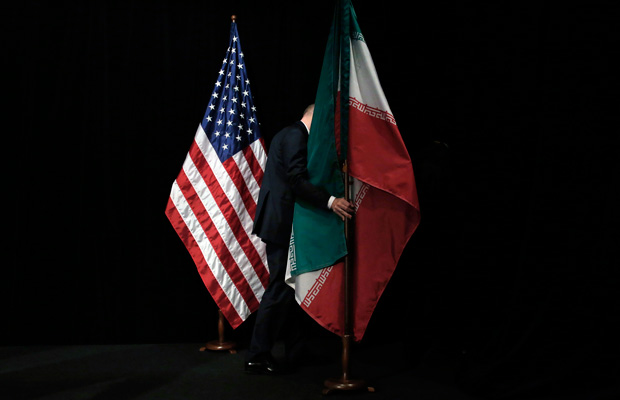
(216, 345)
(220, 344)
(345, 385)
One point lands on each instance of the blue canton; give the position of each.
(230, 120)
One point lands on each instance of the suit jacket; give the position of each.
(285, 179)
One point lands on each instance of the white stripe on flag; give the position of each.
(230, 190)
(246, 171)
(220, 173)
(219, 221)
(364, 82)
(261, 157)
(208, 252)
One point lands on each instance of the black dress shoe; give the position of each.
(267, 366)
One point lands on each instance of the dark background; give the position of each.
(509, 111)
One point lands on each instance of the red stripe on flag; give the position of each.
(217, 242)
(321, 298)
(204, 271)
(255, 167)
(378, 208)
(229, 212)
(237, 179)
(375, 144)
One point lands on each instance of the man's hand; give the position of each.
(343, 208)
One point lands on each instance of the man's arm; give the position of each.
(294, 153)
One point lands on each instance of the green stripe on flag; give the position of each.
(319, 233)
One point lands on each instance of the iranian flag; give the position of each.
(352, 125)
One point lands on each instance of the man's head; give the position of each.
(307, 117)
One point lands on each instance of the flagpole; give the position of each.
(220, 344)
(344, 383)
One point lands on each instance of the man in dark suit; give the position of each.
(285, 179)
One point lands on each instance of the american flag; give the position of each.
(213, 199)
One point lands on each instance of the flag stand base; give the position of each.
(345, 385)
(216, 345)
(220, 344)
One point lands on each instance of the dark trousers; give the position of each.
(278, 312)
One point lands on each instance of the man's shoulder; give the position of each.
(291, 131)
(296, 127)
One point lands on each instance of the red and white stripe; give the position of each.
(212, 206)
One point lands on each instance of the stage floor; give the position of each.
(183, 372)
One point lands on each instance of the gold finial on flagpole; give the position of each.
(234, 18)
